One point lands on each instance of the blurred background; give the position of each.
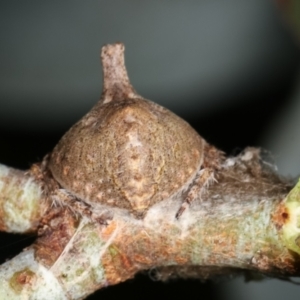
(230, 68)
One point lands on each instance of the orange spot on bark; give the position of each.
(181, 260)
(108, 230)
(280, 216)
(126, 262)
(142, 259)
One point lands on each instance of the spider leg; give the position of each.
(61, 197)
(200, 184)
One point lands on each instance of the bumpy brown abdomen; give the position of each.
(129, 154)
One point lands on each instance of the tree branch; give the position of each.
(246, 220)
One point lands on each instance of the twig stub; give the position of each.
(116, 84)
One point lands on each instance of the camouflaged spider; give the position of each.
(128, 152)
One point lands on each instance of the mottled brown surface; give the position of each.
(126, 152)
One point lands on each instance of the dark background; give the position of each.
(229, 68)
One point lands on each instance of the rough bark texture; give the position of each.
(244, 222)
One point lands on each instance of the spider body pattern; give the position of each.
(128, 152)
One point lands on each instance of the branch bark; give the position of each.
(247, 221)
